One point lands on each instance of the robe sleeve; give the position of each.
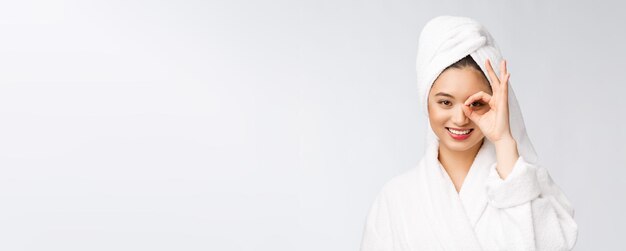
(534, 211)
(377, 231)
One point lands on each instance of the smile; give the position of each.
(459, 135)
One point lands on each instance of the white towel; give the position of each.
(421, 209)
(447, 39)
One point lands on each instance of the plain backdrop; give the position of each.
(271, 125)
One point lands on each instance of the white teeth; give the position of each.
(459, 132)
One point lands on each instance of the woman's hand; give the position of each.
(494, 123)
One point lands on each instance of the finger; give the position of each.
(502, 70)
(506, 67)
(479, 96)
(501, 98)
(506, 81)
(505, 86)
(495, 84)
(474, 116)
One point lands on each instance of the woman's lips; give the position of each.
(460, 137)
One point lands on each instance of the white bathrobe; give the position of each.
(421, 209)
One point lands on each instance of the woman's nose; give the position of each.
(459, 117)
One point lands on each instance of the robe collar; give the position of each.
(453, 215)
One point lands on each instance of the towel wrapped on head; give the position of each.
(446, 39)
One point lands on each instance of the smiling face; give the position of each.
(445, 100)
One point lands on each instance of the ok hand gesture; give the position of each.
(494, 123)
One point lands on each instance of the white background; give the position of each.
(271, 125)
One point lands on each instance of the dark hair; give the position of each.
(468, 61)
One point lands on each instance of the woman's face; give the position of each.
(445, 100)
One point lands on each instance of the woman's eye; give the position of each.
(476, 104)
(445, 102)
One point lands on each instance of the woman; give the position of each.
(478, 186)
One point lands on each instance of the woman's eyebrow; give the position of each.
(444, 94)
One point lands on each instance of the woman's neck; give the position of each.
(457, 164)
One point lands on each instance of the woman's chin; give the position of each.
(457, 148)
(460, 146)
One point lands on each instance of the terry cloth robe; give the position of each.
(421, 209)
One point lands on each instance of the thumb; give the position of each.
(471, 114)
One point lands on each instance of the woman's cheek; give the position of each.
(439, 115)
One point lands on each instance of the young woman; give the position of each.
(478, 185)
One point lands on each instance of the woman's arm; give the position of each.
(529, 209)
(507, 155)
(376, 235)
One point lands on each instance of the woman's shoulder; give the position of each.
(403, 193)
(402, 183)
